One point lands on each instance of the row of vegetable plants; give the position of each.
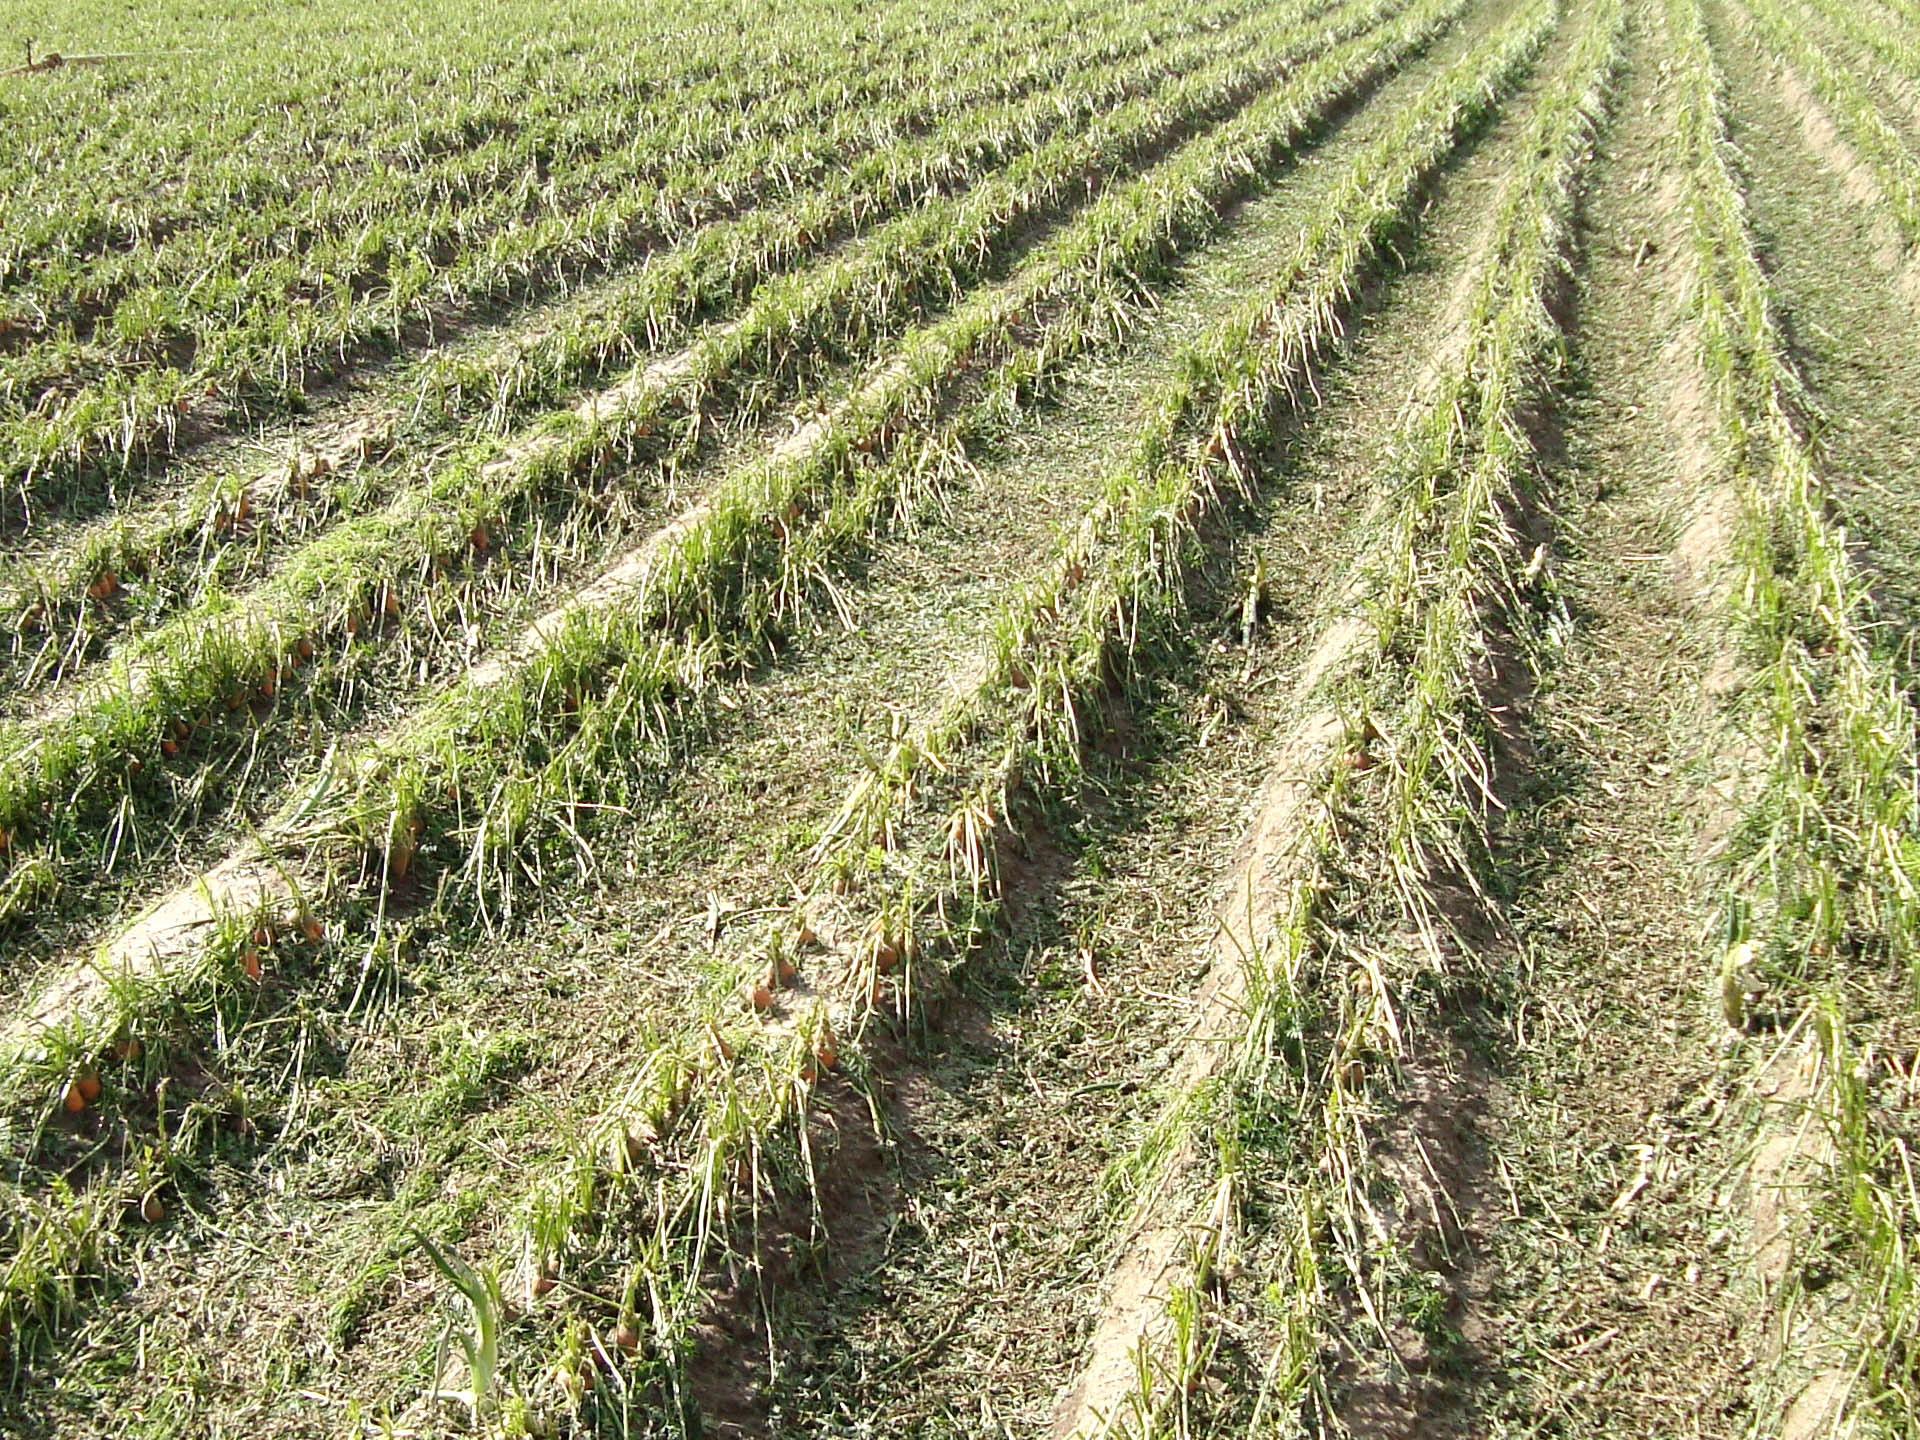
(905, 879)
(704, 278)
(196, 662)
(605, 690)
(1821, 884)
(1887, 35)
(376, 148)
(1788, 32)
(263, 346)
(1461, 472)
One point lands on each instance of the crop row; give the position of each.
(559, 147)
(1463, 469)
(602, 681)
(705, 277)
(201, 657)
(1823, 871)
(1113, 591)
(751, 560)
(1785, 26)
(1889, 34)
(1391, 722)
(255, 344)
(387, 150)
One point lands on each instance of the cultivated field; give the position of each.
(972, 718)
